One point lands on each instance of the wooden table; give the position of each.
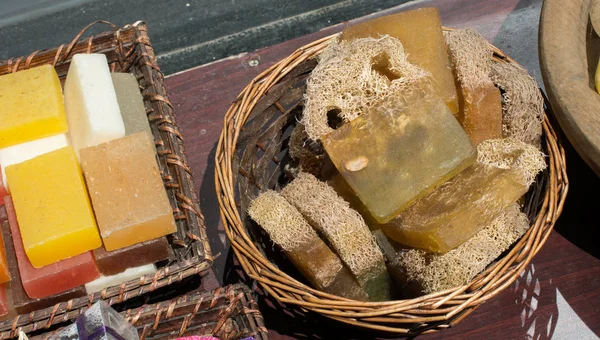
(559, 293)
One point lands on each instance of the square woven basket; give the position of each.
(128, 49)
(229, 312)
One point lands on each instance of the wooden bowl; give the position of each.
(569, 50)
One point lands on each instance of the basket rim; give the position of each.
(434, 311)
(131, 49)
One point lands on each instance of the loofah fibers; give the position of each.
(523, 108)
(428, 272)
(471, 56)
(345, 230)
(349, 79)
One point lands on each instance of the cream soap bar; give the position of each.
(91, 102)
(115, 280)
(22, 152)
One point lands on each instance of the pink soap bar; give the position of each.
(54, 278)
(3, 192)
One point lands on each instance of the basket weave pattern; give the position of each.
(251, 157)
(128, 49)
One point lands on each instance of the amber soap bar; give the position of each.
(399, 151)
(457, 210)
(117, 261)
(32, 106)
(54, 278)
(420, 32)
(481, 112)
(127, 191)
(52, 206)
(23, 304)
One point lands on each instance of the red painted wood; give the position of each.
(568, 263)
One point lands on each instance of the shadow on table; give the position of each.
(578, 222)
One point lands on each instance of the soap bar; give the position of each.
(344, 229)
(116, 261)
(54, 278)
(461, 207)
(21, 152)
(115, 280)
(398, 151)
(99, 322)
(420, 32)
(32, 106)
(131, 103)
(479, 100)
(91, 102)
(127, 191)
(23, 304)
(303, 247)
(52, 205)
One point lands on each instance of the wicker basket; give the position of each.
(128, 49)
(230, 312)
(250, 158)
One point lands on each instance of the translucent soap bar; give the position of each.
(32, 106)
(131, 103)
(344, 229)
(22, 303)
(117, 261)
(420, 32)
(481, 112)
(461, 207)
(303, 247)
(53, 278)
(99, 322)
(398, 151)
(127, 191)
(53, 208)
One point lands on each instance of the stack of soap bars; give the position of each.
(424, 164)
(86, 204)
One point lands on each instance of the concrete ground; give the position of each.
(184, 33)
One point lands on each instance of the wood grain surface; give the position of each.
(559, 293)
(567, 64)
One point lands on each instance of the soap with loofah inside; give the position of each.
(344, 229)
(399, 150)
(457, 210)
(480, 103)
(420, 32)
(303, 247)
(426, 273)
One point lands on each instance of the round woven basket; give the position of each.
(251, 157)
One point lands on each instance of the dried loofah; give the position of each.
(345, 230)
(523, 109)
(352, 76)
(284, 224)
(429, 273)
(308, 153)
(498, 152)
(471, 56)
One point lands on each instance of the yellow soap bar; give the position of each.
(127, 191)
(53, 209)
(31, 106)
(420, 32)
(398, 151)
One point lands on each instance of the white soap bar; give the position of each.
(115, 280)
(91, 102)
(22, 152)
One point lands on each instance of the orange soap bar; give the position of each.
(127, 191)
(52, 205)
(420, 32)
(52, 279)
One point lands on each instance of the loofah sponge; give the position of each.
(523, 109)
(428, 273)
(301, 244)
(352, 76)
(345, 230)
(471, 56)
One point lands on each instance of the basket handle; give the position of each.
(76, 38)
